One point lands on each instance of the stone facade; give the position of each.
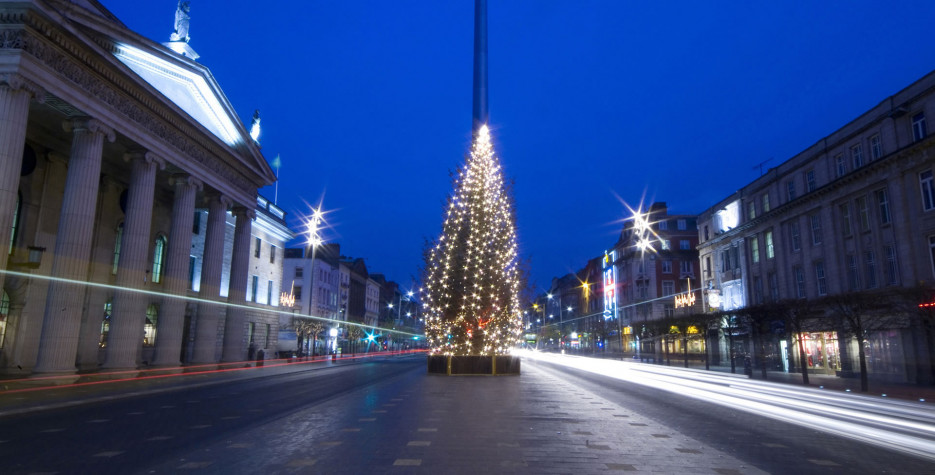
(102, 163)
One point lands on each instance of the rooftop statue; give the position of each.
(182, 19)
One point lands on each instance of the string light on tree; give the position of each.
(472, 280)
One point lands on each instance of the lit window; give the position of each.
(665, 244)
(857, 156)
(918, 126)
(159, 256)
(840, 165)
(149, 327)
(755, 249)
(769, 245)
(884, 206)
(816, 229)
(117, 243)
(876, 147)
(820, 278)
(766, 203)
(927, 185)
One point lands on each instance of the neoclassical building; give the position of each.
(108, 144)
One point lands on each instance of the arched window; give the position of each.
(117, 247)
(15, 226)
(159, 256)
(4, 315)
(149, 327)
(105, 324)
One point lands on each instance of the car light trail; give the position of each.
(897, 425)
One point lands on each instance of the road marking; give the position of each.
(159, 437)
(49, 431)
(98, 421)
(366, 419)
(428, 429)
(824, 463)
(301, 463)
(202, 426)
(239, 446)
(135, 413)
(408, 462)
(419, 443)
(112, 453)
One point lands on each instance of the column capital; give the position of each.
(244, 211)
(215, 196)
(20, 83)
(186, 179)
(146, 156)
(91, 125)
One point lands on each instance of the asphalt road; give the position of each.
(389, 416)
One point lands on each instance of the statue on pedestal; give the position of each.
(182, 19)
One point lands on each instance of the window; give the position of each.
(857, 156)
(876, 147)
(725, 260)
(686, 267)
(735, 256)
(105, 324)
(159, 256)
(666, 266)
(795, 236)
(810, 180)
(706, 233)
(927, 185)
(149, 325)
(685, 244)
(884, 206)
(669, 310)
(256, 252)
(13, 229)
(4, 314)
(799, 282)
(196, 222)
(117, 243)
(769, 245)
(297, 293)
(665, 244)
(871, 269)
(846, 219)
(816, 229)
(918, 126)
(269, 292)
(773, 286)
(251, 332)
(254, 287)
(707, 265)
(853, 275)
(790, 190)
(766, 203)
(192, 261)
(751, 210)
(272, 254)
(682, 224)
(755, 249)
(840, 165)
(820, 278)
(668, 288)
(663, 225)
(863, 213)
(298, 272)
(892, 268)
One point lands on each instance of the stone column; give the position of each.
(62, 319)
(206, 325)
(234, 345)
(129, 307)
(15, 92)
(172, 314)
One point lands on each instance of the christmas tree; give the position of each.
(472, 280)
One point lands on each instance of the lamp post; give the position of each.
(313, 241)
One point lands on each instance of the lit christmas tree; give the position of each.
(472, 280)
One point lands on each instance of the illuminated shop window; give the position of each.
(159, 256)
(149, 327)
(4, 315)
(105, 324)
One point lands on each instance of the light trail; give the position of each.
(901, 426)
(27, 275)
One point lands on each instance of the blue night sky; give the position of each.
(592, 102)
